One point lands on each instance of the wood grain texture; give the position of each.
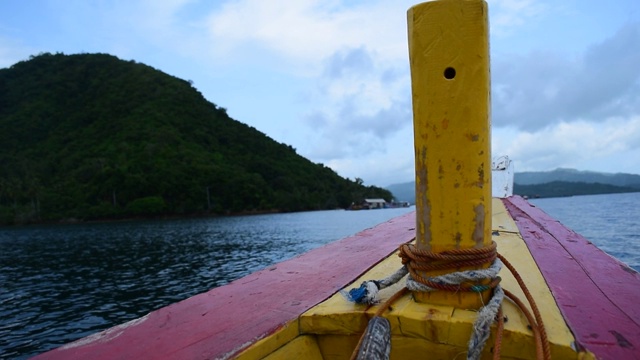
(597, 294)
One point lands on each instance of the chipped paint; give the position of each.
(447, 112)
(479, 230)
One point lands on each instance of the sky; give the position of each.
(331, 77)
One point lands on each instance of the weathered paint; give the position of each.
(449, 57)
(502, 177)
(451, 122)
(597, 294)
(222, 322)
(443, 330)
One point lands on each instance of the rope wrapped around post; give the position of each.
(415, 260)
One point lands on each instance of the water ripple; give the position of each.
(61, 283)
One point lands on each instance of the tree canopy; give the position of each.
(90, 136)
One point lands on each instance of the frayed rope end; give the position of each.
(367, 293)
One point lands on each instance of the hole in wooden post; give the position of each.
(449, 73)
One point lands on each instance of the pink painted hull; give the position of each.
(598, 295)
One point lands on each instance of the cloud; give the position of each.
(348, 61)
(363, 103)
(303, 33)
(392, 163)
(506, 15)
(541, 88)
(577, 144)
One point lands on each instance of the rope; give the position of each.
(458, 281)
(537, 324)
(482, 325)
(367, 293)
(424, 260)
(380, 311)
(415, 260)
(498, 343)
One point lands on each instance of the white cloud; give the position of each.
(360, 104)
(542, 88)
(506, 15)
(391, 163)
(576, 144)
(306, 32)
(333, 76)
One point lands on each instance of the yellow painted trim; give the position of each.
(332, 328)
(445, 327)
(513, 248)
(501, 220)
(265, 346)
(303, 347)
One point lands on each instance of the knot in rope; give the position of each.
(450, 259)
(416, 260)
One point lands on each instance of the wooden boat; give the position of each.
(565, 298)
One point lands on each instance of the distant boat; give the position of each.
(489, 274)
(369, 204)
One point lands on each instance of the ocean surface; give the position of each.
(60, 283)
(610, 221)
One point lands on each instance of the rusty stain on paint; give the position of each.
(423, 217)
(481, 175)
(473, 137)
(478, 231)
(458, 239)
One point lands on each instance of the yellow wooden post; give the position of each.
(449, 55)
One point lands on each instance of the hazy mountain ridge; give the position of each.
(572, 175)
(559, 182)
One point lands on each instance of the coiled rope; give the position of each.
(415, 260)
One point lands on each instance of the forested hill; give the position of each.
(90, 136)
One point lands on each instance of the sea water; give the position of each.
(60, 283)
(611, 221)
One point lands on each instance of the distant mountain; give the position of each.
(568, 188)
(90, 136)
(572, 175)
(559, 182)
(404, 191)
